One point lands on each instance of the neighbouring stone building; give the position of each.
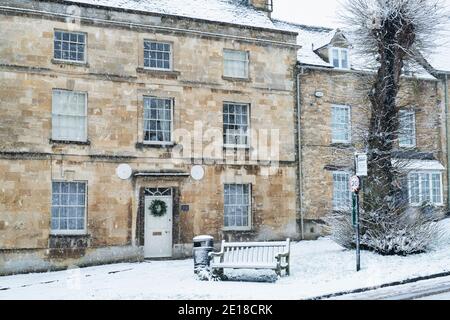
(332, 99)
(128, 128)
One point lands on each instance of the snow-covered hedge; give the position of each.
(401, 233)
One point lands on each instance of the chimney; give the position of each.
(262, 5)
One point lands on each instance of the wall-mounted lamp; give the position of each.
(318, 94)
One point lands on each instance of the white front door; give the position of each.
(158, 229)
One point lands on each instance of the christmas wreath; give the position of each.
(158, 208)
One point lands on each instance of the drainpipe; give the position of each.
(299, 151)
(447, 137)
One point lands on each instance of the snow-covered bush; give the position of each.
(403, 232)
(206, 274)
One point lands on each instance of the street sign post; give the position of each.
(360, 171)
(355, 185)
(354, 214)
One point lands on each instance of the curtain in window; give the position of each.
(69, 116)
(236, 205)
(235, 64)
(425, 187)
(68, 206)
(157, 119)
(340, 124)
(407, 131)
(341, 191)
(235, 124)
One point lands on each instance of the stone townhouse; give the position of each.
(331, 96)
(127, 128)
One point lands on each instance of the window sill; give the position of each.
(142, 145)
(81, 143)
(56, 234)
(432, 204)
(236, 147)
(168, 74)
(73, 63)
(341, 144)
(342, 69)
(233, 79)
(337, 210)
(249, 229)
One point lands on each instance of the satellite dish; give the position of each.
(197, 172)
(124, 171)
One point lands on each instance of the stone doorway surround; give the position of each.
(146, 181)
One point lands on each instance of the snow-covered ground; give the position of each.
(318, 267)
(431, 289)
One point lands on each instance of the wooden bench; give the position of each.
(272, 255)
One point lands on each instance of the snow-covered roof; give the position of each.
(439, 58)
(418, 164)
(309, 38)
(312, 38)
(237, 12)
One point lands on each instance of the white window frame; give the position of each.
(349, 124)
(85, 117)
(85, 46)
(249, 217)
(246, 61)
(170, 55)
(237, 146)
(347, 174)
(401, 114)
(430, 181)
(71, 232)
(340, 55)
(159, 143)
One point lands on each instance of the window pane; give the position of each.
(340, 124)
(235, 125)
(157, 119)
(425, 184)
(236, 205)
(68, 205)
(406, 134)
(414, 188)
(341, 191)
(55, 199)
(335, 58)
(69, 115)
(80, 224)
(436, 188)
(65, 187)
(344, 59)
(157, 55)
(69, 45)
(235, 64)
(55, 224)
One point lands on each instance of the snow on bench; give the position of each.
(272, 255)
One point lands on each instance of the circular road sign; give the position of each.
(355, 184)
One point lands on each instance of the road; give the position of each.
(433, 289)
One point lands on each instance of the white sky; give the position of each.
(312, 12)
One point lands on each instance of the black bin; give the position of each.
(202, 246)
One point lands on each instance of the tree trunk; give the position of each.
(382, 190)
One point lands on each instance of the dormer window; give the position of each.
(339, 58)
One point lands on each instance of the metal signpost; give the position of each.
(355, 184)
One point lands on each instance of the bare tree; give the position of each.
(389, 33)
